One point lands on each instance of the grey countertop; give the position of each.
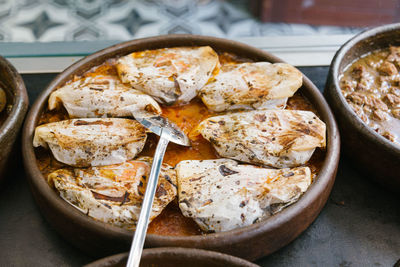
(359, 226)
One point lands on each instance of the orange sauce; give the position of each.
(187, 117)
(171, 222)
(299, 102)
(107, 68)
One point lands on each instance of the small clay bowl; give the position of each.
(251, 242)
(371, 152)
(171, 257)
(17, 98)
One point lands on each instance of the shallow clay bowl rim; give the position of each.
(317, 187)
(336, 62)
(176, 251)
(19, 98)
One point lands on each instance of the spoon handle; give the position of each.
(141, 227)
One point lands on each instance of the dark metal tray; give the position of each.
(359, 226)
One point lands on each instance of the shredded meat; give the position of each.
(389, 136)
(394, 55)
(371, 86)
(379, 115)
(377, 104)
(393, 100)
(357, 98)
(396, 113)
(387, 68)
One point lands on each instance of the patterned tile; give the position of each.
(133, 21)
(40, 25)
(67, 20)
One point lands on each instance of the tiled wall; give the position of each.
(68, 20)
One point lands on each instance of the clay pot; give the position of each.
(17, 98)
(376, 156)
(171, 257)
(251, 242)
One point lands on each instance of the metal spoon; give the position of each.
(168, 132)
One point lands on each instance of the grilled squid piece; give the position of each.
(169, 74)
(277, 138)
(221, 195)
(101, 96)
(92, 142)
(114, 194)
(259, 85)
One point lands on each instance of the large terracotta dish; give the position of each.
(377, 156)
(17, 97)
(251, 242)
(171, 257)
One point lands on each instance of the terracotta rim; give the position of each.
(178, 252)
(20, 98)
(336, 62)
(323, 179)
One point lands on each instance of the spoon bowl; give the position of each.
(156, 124)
